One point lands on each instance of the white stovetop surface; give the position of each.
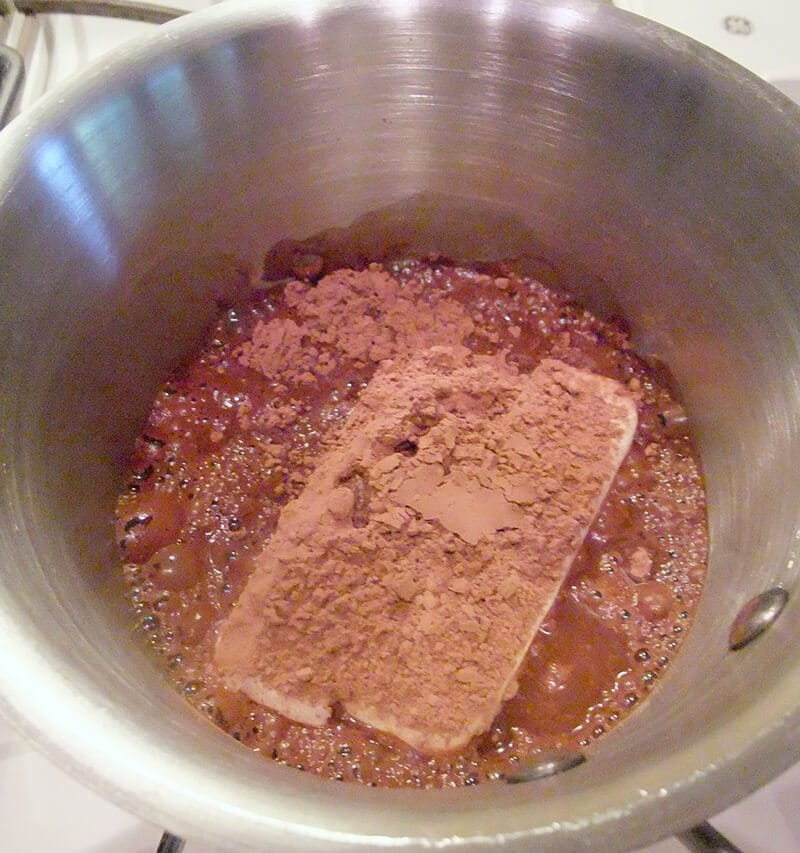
(42, 810)
(762, 35)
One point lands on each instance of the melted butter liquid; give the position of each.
(570, 666)
(204, 495)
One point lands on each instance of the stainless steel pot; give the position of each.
(652, 174)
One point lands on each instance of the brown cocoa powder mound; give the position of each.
(363, 316)
(408, 579)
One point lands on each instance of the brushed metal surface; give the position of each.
(652, 175)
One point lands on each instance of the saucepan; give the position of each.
(645, 172)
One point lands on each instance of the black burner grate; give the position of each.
(11, 74)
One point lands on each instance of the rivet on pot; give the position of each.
(756, 616)
(547, 764)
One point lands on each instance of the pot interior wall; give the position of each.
(645, 174)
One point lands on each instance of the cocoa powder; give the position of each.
(410, 576)
(362, 316)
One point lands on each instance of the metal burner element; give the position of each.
(11, 75)
(127, 9)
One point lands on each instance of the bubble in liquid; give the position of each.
(150, 622)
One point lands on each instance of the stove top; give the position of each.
(41, 808)
(761, 35)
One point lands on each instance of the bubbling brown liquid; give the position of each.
(212, 469)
